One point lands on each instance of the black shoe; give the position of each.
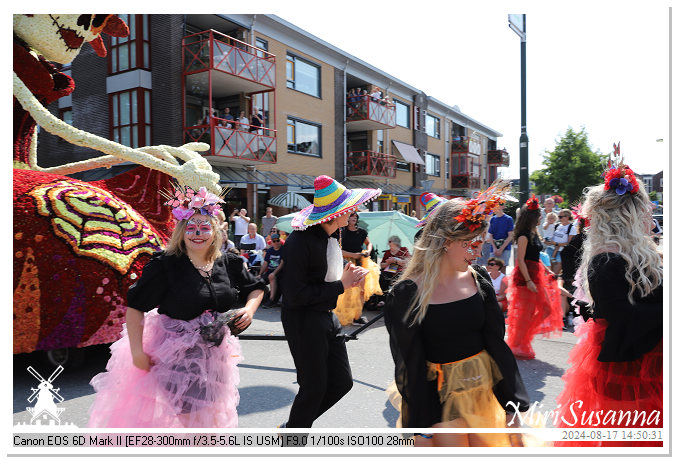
(360, 321)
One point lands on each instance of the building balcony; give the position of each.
(366, 113)
(464, 144)
(371, 165)
(498, 157)
(234, 143)
(244, 68)
(465, 181)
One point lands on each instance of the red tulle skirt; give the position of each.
(530, 314)
(191, 384)
(598, 394)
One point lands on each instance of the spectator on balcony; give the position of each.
(228, 118)
(243, 122)
(241, 220)
(257, 122)
(351, 101)
(376, 95)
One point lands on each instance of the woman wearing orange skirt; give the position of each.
(533, 294)
(616, 378)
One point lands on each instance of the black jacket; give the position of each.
(421, 406)
(303, 284)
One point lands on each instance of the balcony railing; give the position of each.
(214, 50)
(370, 163)
(498, 157)
(464, 144)
(466, 181)
(367, 108)
(230, 139)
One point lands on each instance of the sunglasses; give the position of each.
(275, 241)
(563, 216)
(493, 264)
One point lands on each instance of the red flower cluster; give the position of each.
(475, 213)
(533, 203)
(622, 179)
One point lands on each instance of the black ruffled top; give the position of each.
(174, 286)
(633, 329)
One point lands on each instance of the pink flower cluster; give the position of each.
(186, 202)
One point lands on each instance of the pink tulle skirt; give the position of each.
(191, 384)
(599, 394)
(530, 314)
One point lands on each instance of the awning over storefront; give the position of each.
(408, 152)
(237, 175)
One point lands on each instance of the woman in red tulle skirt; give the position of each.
(616, 378)
(533, 294)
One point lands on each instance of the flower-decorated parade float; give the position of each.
(78, 246)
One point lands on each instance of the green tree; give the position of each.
(570, 167)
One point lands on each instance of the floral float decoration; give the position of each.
(79, 245)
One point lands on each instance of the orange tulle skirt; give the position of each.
(600, 394)
(350, 303)
(530, 314)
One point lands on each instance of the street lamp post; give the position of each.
(517, 22)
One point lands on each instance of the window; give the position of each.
(402, 114)
(131, 117)
(447, 167)
(380, 141)
(304, 138)
(263, 44)
(133, 51)
(433, 126)
(66, 115)
(303, 75)
(402, 166)
(433, 164)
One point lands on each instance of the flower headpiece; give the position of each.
(619, 176)
(533, 203)
(186, 202)
(477, 210)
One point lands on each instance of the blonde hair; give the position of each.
(425, 265)
(176, 245)
(617, 225)
(552, 214)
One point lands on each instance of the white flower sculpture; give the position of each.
(38, 31)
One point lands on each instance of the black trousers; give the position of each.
(323, 371)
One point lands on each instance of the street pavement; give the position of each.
(268, 383)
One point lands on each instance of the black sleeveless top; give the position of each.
(533, 248)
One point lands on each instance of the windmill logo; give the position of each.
(45, 411)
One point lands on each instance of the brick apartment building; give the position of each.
(158, 85)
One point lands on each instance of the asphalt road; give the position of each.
(268, 383)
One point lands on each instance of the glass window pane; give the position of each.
(125, 135)
(124, 108)
(114, 103)
(114, 60)
(133, 27)
(402, 114)
(307, 78)
(147, 141)
(134, 110)
(135, 136)
(145, 25)
(123, 58)
(291, 136)
(133, 55)
(290, 70)
(307, 138)
(146, 55)
(116, 135)
(147, 107)
(68, 117)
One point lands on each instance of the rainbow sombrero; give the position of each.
(331, 199)
(430, 201)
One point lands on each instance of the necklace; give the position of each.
(205, 268)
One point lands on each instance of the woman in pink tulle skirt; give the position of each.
(176, 364)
